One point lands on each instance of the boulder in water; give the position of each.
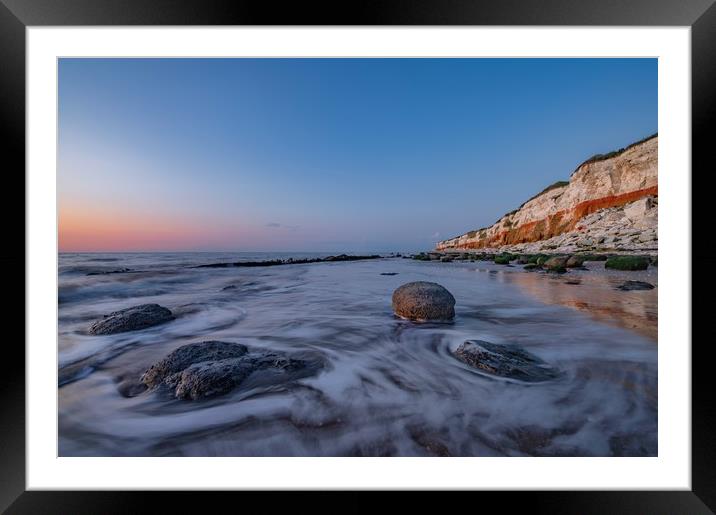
(206, 369)
(635, 285)
(556, 263)
(187, 355)
(422, 300)
(132, 319)
(508, 361)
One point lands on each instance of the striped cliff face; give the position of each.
(605, 183)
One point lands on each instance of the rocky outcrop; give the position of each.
(508, 361)
(132, 319)
(211, 368)
(609, 203)
(422, 301)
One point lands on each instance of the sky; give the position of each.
(326, 155)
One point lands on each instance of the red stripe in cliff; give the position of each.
(559, 222)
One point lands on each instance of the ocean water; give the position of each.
(388, 387)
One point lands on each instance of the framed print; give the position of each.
(406, 249)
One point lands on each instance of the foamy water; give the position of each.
(389, 387)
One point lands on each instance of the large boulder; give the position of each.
(206, 369)
(216, 377)
(556, 264)
(132, 319)
(508, 361)
(187, 355)
(422, 300)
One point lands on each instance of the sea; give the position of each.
(388, 386)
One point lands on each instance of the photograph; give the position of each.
(357, 256)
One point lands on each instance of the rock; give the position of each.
(211, 378)
(446, 259)
(508, 361)
(132, 319)
(206, 369)
(556, 264)
(574, 262)
(184, 356)
(423, 301)
(635, 285)
(627, 263)
(531, 266)
(502, 260)
(389, 273)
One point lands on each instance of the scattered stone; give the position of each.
(389, 273)
(423, 301)
(508, 361)
(572, 282)
(132, 319)
(635, 285)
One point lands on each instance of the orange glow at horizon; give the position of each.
(105, 230)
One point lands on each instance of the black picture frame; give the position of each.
(17, 15)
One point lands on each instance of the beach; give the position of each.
(385, 386)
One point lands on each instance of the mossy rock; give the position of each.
(531, 266)
(502, 260)
(542, 259)
(627, 263)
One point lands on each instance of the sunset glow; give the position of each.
(325, 154)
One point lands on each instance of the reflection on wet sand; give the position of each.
(594, 291)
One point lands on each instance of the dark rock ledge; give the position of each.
(289, 261)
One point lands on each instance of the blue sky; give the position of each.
(326, 154)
